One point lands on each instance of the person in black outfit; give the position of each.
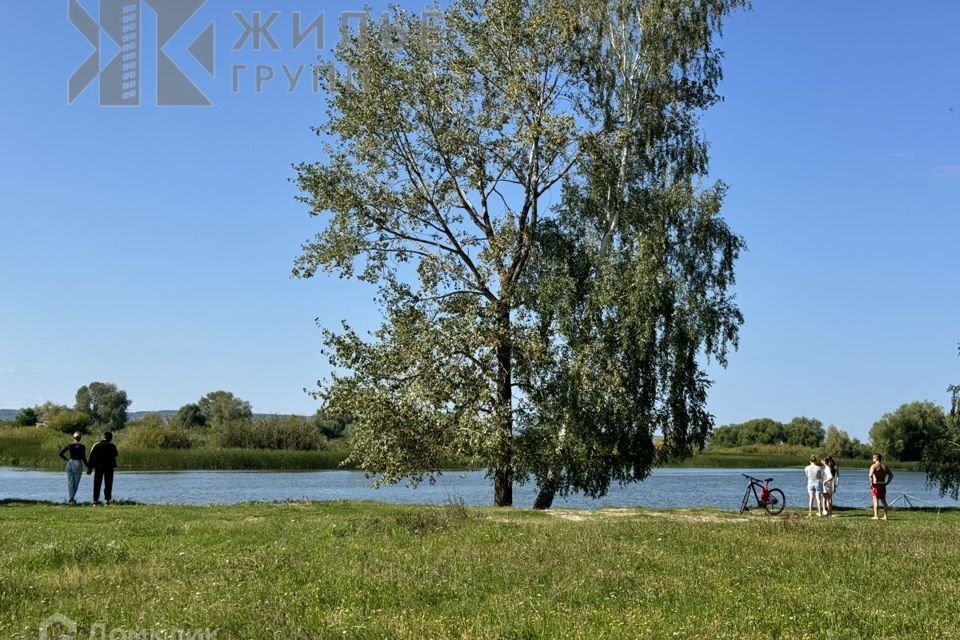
(75, 463)
(102, 462)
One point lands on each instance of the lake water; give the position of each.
(718, 488)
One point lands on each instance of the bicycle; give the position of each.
(772, 500)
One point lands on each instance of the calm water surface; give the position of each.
(719, 488)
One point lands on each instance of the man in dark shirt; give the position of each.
(102, 461)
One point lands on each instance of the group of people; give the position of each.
(823, 477)
(101, 463)
(823, 480)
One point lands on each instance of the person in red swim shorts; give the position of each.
(880, 476)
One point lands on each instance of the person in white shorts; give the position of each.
(831, 481)
(814, 486)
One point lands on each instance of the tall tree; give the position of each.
(221, 407)
(909, 432)
(189, 416)
(630, 287)
(444, 152)
(806, 432)
(104, 404)
(942, 459)
(839, 443)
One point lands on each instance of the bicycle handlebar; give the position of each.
(757, 480)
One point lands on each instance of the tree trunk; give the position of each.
(503, 474)
(547, 492)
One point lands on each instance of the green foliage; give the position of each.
(36, 448)
(104, 404)
(330, 426)
(756, 431)
(69, 421)
(839, 444)
(144, 435)
(189, 416)
(445, 153)
(220, 408)
(49, 409)
(151, 420)
(31, 447)
(941, 460)
(907, 433)
(28, 417)
(801, 432)
(287, 433)
(806, 432)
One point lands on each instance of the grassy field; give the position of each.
(366, 570)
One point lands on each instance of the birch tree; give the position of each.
(520, 180)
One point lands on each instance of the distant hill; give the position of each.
(8, 414)
(166, 414)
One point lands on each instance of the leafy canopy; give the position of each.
(219, 408)
(907, 433)
(104, 404)
(522, 184)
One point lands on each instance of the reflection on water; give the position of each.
(719, 488)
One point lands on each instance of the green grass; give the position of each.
(734, 458)
(365, 570)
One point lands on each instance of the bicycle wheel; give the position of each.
(775, 502)
(743, 503)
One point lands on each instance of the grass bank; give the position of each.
(773, 456)
(36, 448)
(365, 570)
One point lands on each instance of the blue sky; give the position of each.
(152, 247)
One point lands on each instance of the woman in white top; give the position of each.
(831, 480)
(814, 486)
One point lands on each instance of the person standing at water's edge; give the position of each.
(77, 459)
(814, 486)
(103, 460)
(831, 480)
(880, 476)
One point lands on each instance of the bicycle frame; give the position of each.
(771, 500)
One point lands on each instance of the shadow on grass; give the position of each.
(48, 503)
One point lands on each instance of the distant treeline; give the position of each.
(906, 434)
(217, 420)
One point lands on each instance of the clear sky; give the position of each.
(151, 247)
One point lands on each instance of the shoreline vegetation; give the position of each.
(37, 447)
(372, 570)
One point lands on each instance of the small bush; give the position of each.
(27, 418)
(288, 433)
(68, 421)
(146, 437)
